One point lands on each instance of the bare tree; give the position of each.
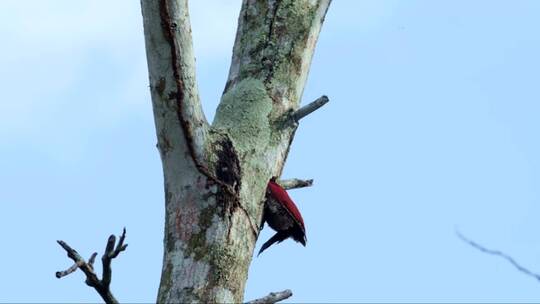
(216, 174)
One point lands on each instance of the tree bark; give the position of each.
(215, 175)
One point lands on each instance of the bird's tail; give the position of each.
(278, 237)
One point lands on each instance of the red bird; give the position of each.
(283, 216)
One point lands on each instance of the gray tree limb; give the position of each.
(310, 108)
(273, 297)
(295, 183)
(177, 108)
(101, 286)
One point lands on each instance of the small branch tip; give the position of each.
(310, 108)
(92, 259)
(295, 183)
(273, 297)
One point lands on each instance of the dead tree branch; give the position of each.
(310, 108)
(273, 297)
(295, 183)
(101, 286)
(500, 254)
(63, 273)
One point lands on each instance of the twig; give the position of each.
(64, 273)
(101, 286)
(92, 259)
(295, 183)
(500, 254)
(273, 297)
(310, 108)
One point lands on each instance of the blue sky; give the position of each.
(432, 125)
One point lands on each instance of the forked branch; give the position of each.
(101, 286)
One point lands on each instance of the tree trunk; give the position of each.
(216, 175)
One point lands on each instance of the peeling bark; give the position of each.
(215, 175)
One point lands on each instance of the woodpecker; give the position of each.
(283, 216)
